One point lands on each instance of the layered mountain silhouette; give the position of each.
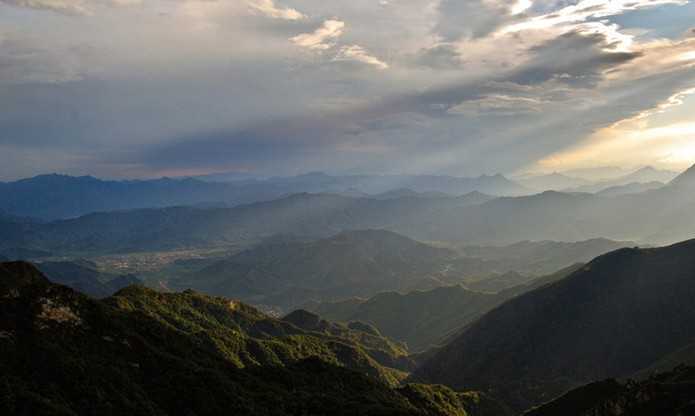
(313, 215)
(355, 263)
(146, 353)
(499, 282)
(547, 216)
(286, 272)
(409, 193)
(631, 188)
(425, 319)
(421, 319)
(60, 196)
(526, 260)
(647, 177)
(552, 182)
(617, 315)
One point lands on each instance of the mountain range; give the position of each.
(285, 273)
(552, 182)
(643, 176)
(54, 196)
(472, 218)
(631, 188)
(621, 313)
(145, 353)
(425, 319)
(312, 215)
(566, 182)
(354, 263)
(543, 346)
(537, 258)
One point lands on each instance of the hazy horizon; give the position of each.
(595, 174)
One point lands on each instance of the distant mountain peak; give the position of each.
(686, 178)
(59, 177)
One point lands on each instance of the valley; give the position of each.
(312, 287)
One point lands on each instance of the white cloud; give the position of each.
(269, 9)
(359, 54)
(478, 84)
(498, 104)
(323, 37)
(70, 7)
(127, 2)
(521, 6)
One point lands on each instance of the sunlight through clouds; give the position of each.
(482, 86)
(635, 141)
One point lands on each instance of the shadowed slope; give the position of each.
(592, 325)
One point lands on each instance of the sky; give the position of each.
(149, 88)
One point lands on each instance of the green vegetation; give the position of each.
(355, 263)
(146, 353)
(420, 319)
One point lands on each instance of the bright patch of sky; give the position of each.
(669, 21)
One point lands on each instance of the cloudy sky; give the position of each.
(144, 88)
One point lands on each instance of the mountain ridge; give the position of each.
(146, 353)
(350, 263)
(599, 315)
(64, 196)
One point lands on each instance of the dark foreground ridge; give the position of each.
(670, 393)
(140, 352)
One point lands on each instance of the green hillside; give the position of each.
(145, 353)
(354, 263)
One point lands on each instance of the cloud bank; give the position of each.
(288, 86)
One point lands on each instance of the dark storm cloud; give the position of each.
(573, 58)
